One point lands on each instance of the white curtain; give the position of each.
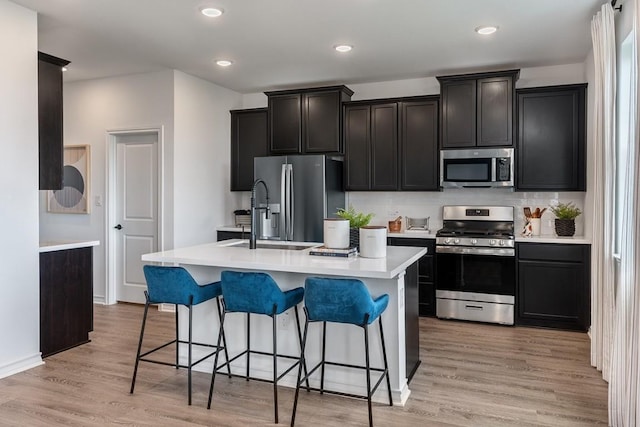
(603, 232)
(624, 385)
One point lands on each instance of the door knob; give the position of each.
(118, 227)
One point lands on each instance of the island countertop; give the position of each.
(227, 254)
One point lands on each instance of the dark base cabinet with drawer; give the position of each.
(228, 235)
(554, 285)
(426, 277)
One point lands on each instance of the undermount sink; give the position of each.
(287, 246)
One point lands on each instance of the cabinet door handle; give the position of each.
(473, 307)
(118, 227)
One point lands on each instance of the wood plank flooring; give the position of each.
(471, 375)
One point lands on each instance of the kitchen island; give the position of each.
(289, 266)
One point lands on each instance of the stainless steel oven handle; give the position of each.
(475, 251)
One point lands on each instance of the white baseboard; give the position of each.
(21, 365)
(97, 299)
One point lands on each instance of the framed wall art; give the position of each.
(74, 195)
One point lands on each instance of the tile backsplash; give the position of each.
(389, 205)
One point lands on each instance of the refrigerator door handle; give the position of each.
(283, 214)
(291, 202)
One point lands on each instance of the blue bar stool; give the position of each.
(174, 285)
(257, 293)
(342, 301)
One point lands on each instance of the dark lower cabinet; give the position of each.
(411, 322)
(552, 138)
(50, 133)
(553, 285)
(66, 299)
(426, 273)
(248, 140)
(228, 235)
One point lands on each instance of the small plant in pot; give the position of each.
(566, 214)
(356, 220)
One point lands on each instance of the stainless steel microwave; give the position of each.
(481, 167)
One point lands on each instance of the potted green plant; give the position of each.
(356, 220)
(566, 214)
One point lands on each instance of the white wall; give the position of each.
(388, 205)
(91, 109)
(19, 259)
(202, 159)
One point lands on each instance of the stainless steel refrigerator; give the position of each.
(303, 191)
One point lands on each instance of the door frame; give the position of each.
(111, 201)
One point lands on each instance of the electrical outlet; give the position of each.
(393, 213)
(283, 320)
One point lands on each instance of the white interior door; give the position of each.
(136, 211)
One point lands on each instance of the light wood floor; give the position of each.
(471, 375)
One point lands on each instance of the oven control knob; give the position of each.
(456, 241)
(474, 242)
(447, 241)
(492, 242)
(501, 242)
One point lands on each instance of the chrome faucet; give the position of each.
(254, 209)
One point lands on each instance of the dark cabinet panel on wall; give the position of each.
(551, 138)
(426, 273)
(248, 140)
(66, 299)
(50, 132)
(384, 147)
(228, 235)
(419, 145)
(553, 285)
(306, 120)
(477, 109)
(371, 146)
(357, 130)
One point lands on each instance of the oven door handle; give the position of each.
(475, 251)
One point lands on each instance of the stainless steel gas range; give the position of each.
(475, 264)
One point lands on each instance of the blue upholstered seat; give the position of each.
(174, 285)
(257, 293)
(342, 301)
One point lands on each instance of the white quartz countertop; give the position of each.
(225, 254)
(414, 234)
(61, 245)
(576, 240)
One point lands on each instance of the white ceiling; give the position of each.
(277, 44)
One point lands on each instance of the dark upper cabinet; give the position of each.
(306, 120)
(371, 146)
(477, 110)
(419, 145)
(248, 140)
(50, 133)
(553, 285)
(391, 144)
(551, 138)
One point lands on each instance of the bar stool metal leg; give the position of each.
(215, 360)
(144, 321)
(324, 346)
(224, 338)
(248, 343)
(302, 363)
(275, 364)
(386, 365)
(175, 309)
(306, 374)
(189, 353)
(365, 327)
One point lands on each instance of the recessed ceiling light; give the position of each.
(211, 12)
(486, 30)
(343, 48)
(64, 69)
(224, 62)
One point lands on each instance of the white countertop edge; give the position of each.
(67, 244)
(211, 255)
(575, 240)
(235, 228)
